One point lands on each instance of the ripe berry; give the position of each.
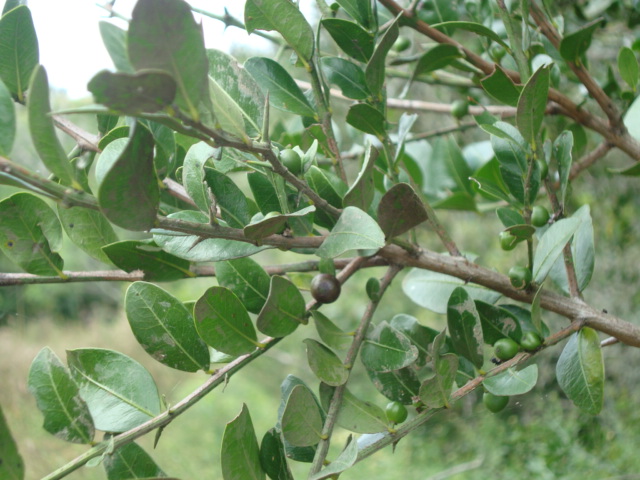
(396, 412)
(325, 288)
(494, 403)
(505, 349)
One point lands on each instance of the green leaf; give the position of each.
(164, 328)
(193, 173)
(367, 119)
(274, 224)
(432, 290)
(240, 454)
(227, 114)
(580, 371)
(119, 391)
(164, 36)
(247, 280)
(18, 50)
(195, 249)
(284, 93)
(532, 104)
(43, 133)
(386, 349)
(145, 91)
(348, 76)
(88, 229)
(7, 120)
(497, 323)
(344, 461)
(464, 326)
(470, 27)
(362, 191)
(131, 461)
(157, 265)
(30, 234)
(66, 414)
(284, 309)
(436, 58)
(509, 217)
(359, 11)
(12, 465)
(551, 245)
(273, 457)
(354, 230)
(628, 67)
(435, 391)
(325, 364)
(354, 40)
(456, 165)
(500, 86)
(355, 415)
(330, 333)
(284, 17)
(329, 187)
(375, 69)
(264, 192)
(241, 88)
(489, 182)
(223, 322)
(399, 210)
(573, 45)
(301, 419)
(398, 385)
(562, 147)
(419, 335)
(131, 180)
(512, 382)
(229, 198)
(114, 39)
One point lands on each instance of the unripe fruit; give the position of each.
(291, 159)
(460, 108)
(530, 341)
(325, 288)
(494, 403)
(396, 412)
(505, 349)
(544, 169)
(520, 277)
(507, 241)
(539, 216)
(497, 52)
(401, 44)
(373, 289)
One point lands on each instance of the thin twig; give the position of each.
(85, 140)
(589, 159)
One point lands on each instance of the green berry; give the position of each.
(396, 412)
(544, 169)
(507, 241)
(325, 288)
(530, 341)
(460, 108)
(373, 289)
(520, 277)
(401, 44)
(539, 216)
(497, 52)
(505, 349)
(291, 159)
(494, 403)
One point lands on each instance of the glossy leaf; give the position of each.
(66, 414)
(7, 121)
(284, 93)
(526, 320)
(435, 391)
(193, 174)
(432, 290)
(156, 264)
(226, 113)
(562, 148)
(628, 67)
(114, 39)
(398, 385)
(119, 391)
(163, 35)
(325, 364)
(329, 187)
(330, 333)
(551, 245)
(436, 58)
(223, 322)
(386, 349)
(573, 45)
(12, 465)
(499, 86)
(284, 309)
(464, 326)
(354, 230)
(399, 210)
(354, 40)
(344, 461)
(273, 456)
(356, 415)
(274, 224)
(264, 192)
(512, 382)
(367, 119)
(131, 461)
(229, 198)
(360, 11)
(509, 217)
(247, 280)
(497, 323)
(18, 50)
(240, 454)
(420, 336)
(375, 70)
(532, 104)
(241, 88)
(131, 180)
(489, 182)
(193, 248)
(88, 229)
(43, 133)
(348, 76)
(30, 234)
(164, 328)
(301, 419)
(580, 371)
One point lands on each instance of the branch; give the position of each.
(85, 140)
(589, 159)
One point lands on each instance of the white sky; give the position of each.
(71, 48)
